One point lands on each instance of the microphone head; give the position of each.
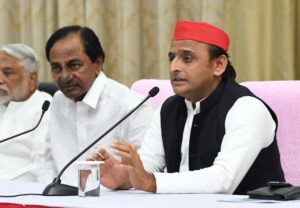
(46, 105)
(153, 91)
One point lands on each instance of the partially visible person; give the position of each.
(88, 103)
(26, 157)
(213, 136)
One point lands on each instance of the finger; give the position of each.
(99, 155)
(132, 146)
(96, 157)
(90, 159)
(121, 146)
(126, 167)
(129, 151)
(123, 155)
(104, 153)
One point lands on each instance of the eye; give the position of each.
(187, 58)
(171, 56)
(8, 72)
(55, 68)
(75, 65)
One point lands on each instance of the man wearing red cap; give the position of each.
(213, 136)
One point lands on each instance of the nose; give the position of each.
(65, 75)
(175, 65)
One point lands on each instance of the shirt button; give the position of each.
(192, 155)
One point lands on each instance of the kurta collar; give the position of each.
(92, 97)
(94, 93)
(213, 97)
(207, 102)
(189, 105)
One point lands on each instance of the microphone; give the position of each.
(56, 188)
(44, 109)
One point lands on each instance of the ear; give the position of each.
(98, 65)
(33, 77)
(220, 64)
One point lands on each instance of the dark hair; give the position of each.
(91, 43)
(214, 52)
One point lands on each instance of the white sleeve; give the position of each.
(139, 124)
(41, 155)
(249, 128)
(152, 152)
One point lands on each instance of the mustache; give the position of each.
(66, 83)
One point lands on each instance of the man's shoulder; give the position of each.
(39, 97)
(236, 90)
(59, 96)
(113, 85)
(121, 93)
(173, 100)
(35, 101)
(43, 95)
(173, 104)
(59, 99)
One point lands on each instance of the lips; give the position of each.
(68, 88)
(178, 80)
(66, 85)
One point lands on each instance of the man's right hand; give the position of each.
(111, 175)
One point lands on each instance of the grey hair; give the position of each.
(23, 53)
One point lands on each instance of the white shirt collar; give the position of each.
(92, 97)
(189, 105)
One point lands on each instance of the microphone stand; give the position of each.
(56, 188)
(44, 109)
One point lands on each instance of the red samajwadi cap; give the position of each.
(202, 32)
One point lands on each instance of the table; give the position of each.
(132, 199)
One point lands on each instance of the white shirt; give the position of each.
(75, 125)
(249, 127)
(26, 157)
